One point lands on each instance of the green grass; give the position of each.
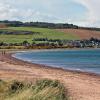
(15, 38)
(45, 33)
(41, 90)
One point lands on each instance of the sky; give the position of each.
(78, 12)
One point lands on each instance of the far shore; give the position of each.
(14, 50)
(80, 85)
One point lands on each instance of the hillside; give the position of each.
(81, 33)
(37, 33)
(20, 34)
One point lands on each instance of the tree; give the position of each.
(25, 43)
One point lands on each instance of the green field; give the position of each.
(44, 33)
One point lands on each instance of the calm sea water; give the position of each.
(84, 60)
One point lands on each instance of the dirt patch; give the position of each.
(3, 25)
(81, 33)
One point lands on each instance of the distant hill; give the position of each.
(38, 24)
(33, 30)
(46, 25)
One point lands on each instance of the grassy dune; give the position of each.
(41, 90)
(44, 33)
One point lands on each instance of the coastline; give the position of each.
(53, 67)
(81, 85)
(21, 62)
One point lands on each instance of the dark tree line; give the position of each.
(39, 24)
(46, 25)
(12, 32)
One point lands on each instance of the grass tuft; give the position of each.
(41, 90)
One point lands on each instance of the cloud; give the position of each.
(93, 15)
(80, 12)
(6, 11)
(11, 12)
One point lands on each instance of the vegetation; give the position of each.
(45, 25)
(38, 24)
(47, 33)
(41, 90)
(30, 37)
(20, 34)
(45, 43)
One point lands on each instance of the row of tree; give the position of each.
(45, 25)
(38, 24)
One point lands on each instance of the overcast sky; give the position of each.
(80, 12)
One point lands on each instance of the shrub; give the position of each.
(16, 86)
(41, 90)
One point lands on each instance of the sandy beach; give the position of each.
(80, 85)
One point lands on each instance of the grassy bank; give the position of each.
(41, 90)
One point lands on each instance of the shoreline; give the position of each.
(55, 49)
(20, 62)
(80, 85)
(53, 67)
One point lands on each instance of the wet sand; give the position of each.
(80, 85)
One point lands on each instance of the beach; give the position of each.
(79, 85)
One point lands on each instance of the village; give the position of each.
(56, 43)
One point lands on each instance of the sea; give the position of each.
(86, 60)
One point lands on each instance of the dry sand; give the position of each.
(80, 85)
